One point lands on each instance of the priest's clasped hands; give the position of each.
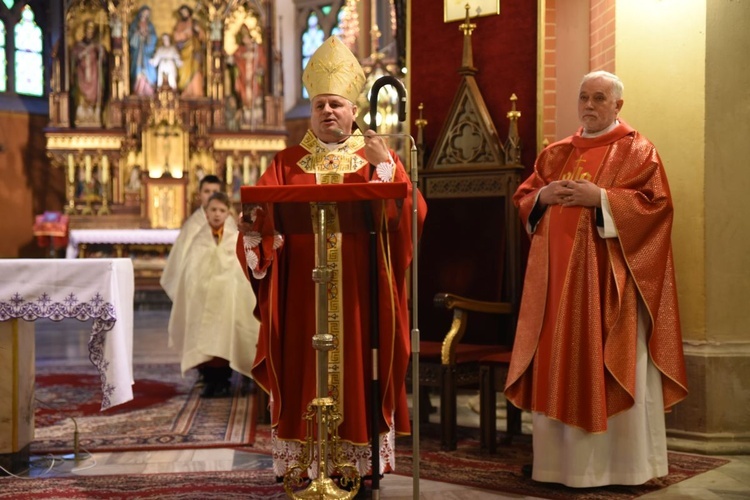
(568, 193)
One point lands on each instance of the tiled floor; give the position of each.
(731, 481)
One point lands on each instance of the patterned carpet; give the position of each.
(166, 412)
(502, 471)
(246, 485)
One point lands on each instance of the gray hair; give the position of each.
(617, 86)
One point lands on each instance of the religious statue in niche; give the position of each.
(167, 61)
(89, 186)
(134, 180)
(232, 113)
(248, 69)
(89, 60)
(189, 38)
(142, 37)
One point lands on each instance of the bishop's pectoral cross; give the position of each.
(166, 134)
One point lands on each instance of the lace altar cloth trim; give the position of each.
(96, 308)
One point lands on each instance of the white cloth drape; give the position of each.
(87, 289)
(212, 300)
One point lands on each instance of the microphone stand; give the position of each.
(374, 309)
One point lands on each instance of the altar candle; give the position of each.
(105, 169)
(87, 162)
(263, 164)
(229, 170)
(71, 169)
(246, 170)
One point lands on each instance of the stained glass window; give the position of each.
(339, 21)
(9, 3)
(28, 57)
(3, 62)
(312, 38)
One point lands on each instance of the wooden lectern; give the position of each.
(303, 209)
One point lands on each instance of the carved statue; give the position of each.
(248, 67)
(142, 37)
(166, 60)
(189, 38)
(89, 59)
(232, 113)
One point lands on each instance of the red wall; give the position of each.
(504, 50)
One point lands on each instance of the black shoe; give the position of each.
(209, 390)
(216, 390)
(223, 390)
(526, 470)
(247, 384)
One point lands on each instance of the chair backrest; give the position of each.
(469, 247)
(470, 241)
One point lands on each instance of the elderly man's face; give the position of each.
(332, 115)
(597, 106)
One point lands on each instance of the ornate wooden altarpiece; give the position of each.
(149, 96)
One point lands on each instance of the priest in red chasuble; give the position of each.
(598, 351)
(334, 151)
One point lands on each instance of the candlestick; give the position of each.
(105, 169)
(246, 170)
(263, 164)
(71, 169)
(229, 170)
(87, 162)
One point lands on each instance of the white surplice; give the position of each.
(212, 301)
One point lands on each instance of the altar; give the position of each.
(121, 239)
(146, 248)
(96, 290)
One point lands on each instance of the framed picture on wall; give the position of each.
(455, 10)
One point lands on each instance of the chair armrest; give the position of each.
(461, 306)
(452, 301)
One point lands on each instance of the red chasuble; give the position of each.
(285, 364)
(574, 354)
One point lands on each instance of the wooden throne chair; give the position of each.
(469, 284)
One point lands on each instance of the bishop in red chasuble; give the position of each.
(598, 351)
(280, 269)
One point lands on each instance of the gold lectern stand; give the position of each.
(355, 205)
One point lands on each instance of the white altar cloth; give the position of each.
(98, 289)
(118, 236)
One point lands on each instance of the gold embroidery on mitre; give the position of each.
(333, 69)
